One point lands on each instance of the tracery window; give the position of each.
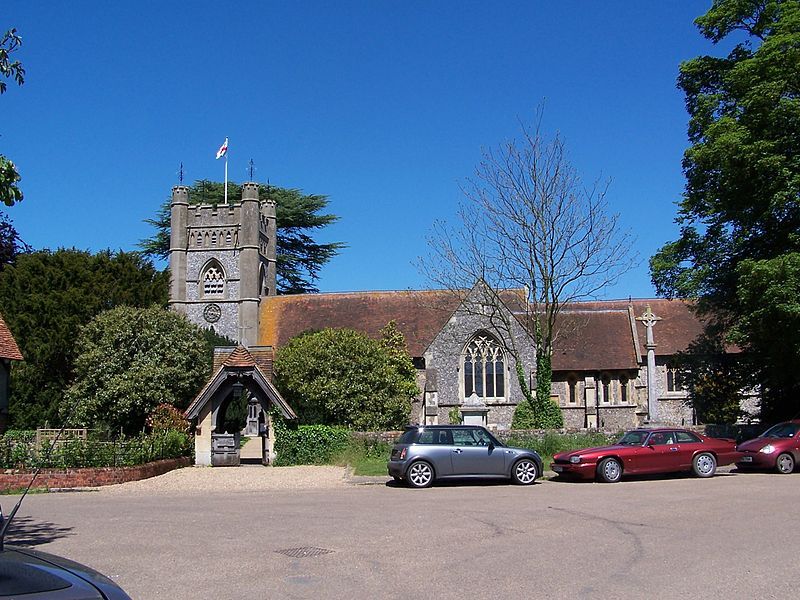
(484, 368)
(213, 281)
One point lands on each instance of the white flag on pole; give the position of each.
(223, 150)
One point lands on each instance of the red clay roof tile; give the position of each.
(8, 345)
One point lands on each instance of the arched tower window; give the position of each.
(213, 279)
(484, 368)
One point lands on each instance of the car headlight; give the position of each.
(768, 449)
(574, 459)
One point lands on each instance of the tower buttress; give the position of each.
(249, 264)
(178, 245)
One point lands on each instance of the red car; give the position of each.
(777, 448)
(646, 451)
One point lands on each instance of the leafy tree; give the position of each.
(342, 377)
(394, 343)
(131, 360)
(9, 177)
(10, 242)
(528, 222)
(45, 298)
(299, 257)
(740, 213)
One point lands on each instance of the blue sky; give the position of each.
(383, 106)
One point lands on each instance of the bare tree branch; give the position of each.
(528, 223)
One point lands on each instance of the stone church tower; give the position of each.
(222, 261)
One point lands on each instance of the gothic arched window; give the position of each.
(213, 280)
(484, 368)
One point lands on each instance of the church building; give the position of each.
(612, 365)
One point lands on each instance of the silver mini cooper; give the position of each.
(426, 453)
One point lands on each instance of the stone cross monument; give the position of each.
(649, 319)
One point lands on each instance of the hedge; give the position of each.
(18, 450)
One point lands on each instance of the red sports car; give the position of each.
(777, 448)
(646, 451)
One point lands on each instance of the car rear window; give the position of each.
(686, 438)
(409, 436)
(423, 435)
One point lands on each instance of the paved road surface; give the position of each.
(733, 536)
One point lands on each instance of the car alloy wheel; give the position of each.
(525, 472)
(704, 465)
(420, 474)
(609, 470)
(785, 463)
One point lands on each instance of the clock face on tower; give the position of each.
(212, 313)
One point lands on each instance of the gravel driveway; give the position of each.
(204, 480)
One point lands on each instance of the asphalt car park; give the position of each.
(655, 538)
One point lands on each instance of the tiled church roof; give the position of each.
(8, 346)
(677, 328)
(596, 335)
(419, 315)
(600, 338)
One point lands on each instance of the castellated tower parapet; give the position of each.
(222, 261)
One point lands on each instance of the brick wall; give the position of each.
(12, 479)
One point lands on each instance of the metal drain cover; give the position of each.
(304, 552)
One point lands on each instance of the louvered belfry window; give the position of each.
(213, 282)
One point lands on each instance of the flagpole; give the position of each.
(226, 178)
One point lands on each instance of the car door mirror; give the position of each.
(491, 446)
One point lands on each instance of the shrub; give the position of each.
(131, 360)
(166, 417)
(341, 377)
(309, 444)
(523, 416)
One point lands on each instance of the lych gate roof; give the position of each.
(231, 356)
(8, 346)
(232, 360)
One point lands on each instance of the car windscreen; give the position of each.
(781, 430)
(633, 438)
